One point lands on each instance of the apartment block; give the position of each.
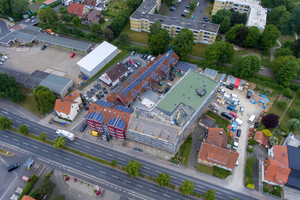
(144, 16)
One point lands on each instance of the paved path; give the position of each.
(3, 28)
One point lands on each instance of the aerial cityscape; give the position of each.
(149, 99)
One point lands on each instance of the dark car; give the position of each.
(104, 90)
(230, 86)
(13, 167)
(201, 11)
(92, 91)
(206, 134)
(205, 18)
(138, 63)
(127, 63)
(83, 127)
(172, 9)
(43, 47)
(86, 107)
(238, 133)
(89, 94)
(188, 6)
(145, 56)
(98, 86)
(183, 14)
(98, 96)
(101, 94)
(95, 87)
(142, 56)
(249, 93)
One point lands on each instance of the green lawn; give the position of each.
(221, 173)
(204, 168)
(208, 10)
(285, 38)
(195, 61)
(39, 1)
(141, 37)
(187, 151)
(184, 152)
(295, 104)
(273, 190)
(265, 56)
(199, 49)
(120, 4)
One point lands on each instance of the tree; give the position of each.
(279, 62)
(296, 48)
(237, 18)
(241, 35)
(77, 32)
(59, 197)
(76, 21)
(193, 5)
(220, 16)
(245, 67)
(269, 37)
(19, 7)
(294, 124)
(270, 120)
(287, 72)
(113, 163)
(48, 15)
(63, 10)
(5, 7)
(66, 17)
(253, 37)
(278, 16)
(231, 34)
(210, 195)
(46, 187)
(218, 50)
(34, 178)
(154, 28)
(96, 29)
(9, 87)
(283, 104)
(117, 25)
(183, 43)
(283, 52)
(43, 136)
(155, 11)
(34, 193)
(59, 142)
(225, 24)
(163, 179)
(5, 123)
(293, 23)
(159, 42)
(267, 133)
(124, 37)
(108, 33)
(187, 187)
(44, 98)
(132, 168)
(23, 129)
(133, 4)
(272, 3)
(252, 141)
(294, 113)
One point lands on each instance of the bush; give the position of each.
(267, 133)
(250, 149)
(34, 193)
(55, 4)
(113, 163)
(26, 190)
(282, 104)
(249, 172)
(294, 87)
(270, 120)
(47, 176)
(34, 178)
(294, 113)
(252, 141)
(251, 160)
(250, 186)
(287, 92)
(67, 178)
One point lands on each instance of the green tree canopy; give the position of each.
(245, 67)
(43, 136)
(76, 21)
(293, 23)
(187, 187)
(210, 195)
(44, 98)
(159, 42)
(296, 48)
(225, 25)
(220, 16)
(283, 52)
(59, 142)
(132, 168)
(117, 25)
(218, 50)
(63, 10)
(5, 7)
(287, 72)
(278, 16)
(294, 124)
(133, 4)
(231, 34)
(59, 197)
(154, 28)
(46, 187)
(5, 123)
(237, 18)
(23, 129)
(34, 193)
(48, 15)
(280, 61)
(241, 35)
(253, 37)
(163, 179)
(269, 37)
(272, 3)
(108, 33)
(183, 43)
(124, 37)
(66, 17)
(9, 87)
(96, 29)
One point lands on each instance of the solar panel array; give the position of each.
(104, 103)
(145, 84)
(134, 93)
(146, 73)
(154, 76)
(99, 117)
(91, 115)
(172, 60)
(163, 68)
(120, 124)
(184, 66)
(112, 121)
(124, 109)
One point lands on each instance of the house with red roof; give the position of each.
(77, 9)
(261, 139)
(69, 106)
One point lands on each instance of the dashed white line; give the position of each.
(76, 142)
(56, 155)
(45, 150)
(114, 176)
(139, 185)
(67, 159)
(218, 193)
(230, 197)
(166, 195)
(78, 163)
(199, 186)
(5, 136)
(174, 177)
(157, 171)
(35, 147)
(15, 139)
(121, 159)
(18, 121)
(152, 190)
(36, 129)
(182, 180)
(103, 172)
(27, 125)
(98, 151)
(89, 167)
(127, 181)
(146, 167)
(87, 147)
(109, 155)
(9, 117)
(25, 143)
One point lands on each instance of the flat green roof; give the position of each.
(185, 92)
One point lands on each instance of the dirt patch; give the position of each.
(282, 97)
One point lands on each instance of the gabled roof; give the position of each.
(276, 172)
(89, 2)
(293, 154)
(216, 138)
(94, 16)
(75, 9)
(281, 154)
(294, 179)
(218, 155)
(64, 105)
(259, 136)
(27, 198)
(72, 96)
(116, 72)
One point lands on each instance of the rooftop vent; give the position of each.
(161, 20)
(143, 13)
(220, 133)
(201, 91)
(62, 107)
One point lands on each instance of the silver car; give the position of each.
(5, 57)
(130, 69)
(2, 59)
(1, 63)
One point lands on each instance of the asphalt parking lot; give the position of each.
(198, 16)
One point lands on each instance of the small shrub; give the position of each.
(267, 133)
(252, 141)
(81, 182)
(250, 186)
(95, 191)
(113, 163)
(250, 149)
(75, 179)
(34, 193)
(249, 172)
(34, 178)
(287, 92)
(67, 178)
(282, 104)
(26, 190)
(98, 193)
(201, 138)
(65, 175)
(88, 184)
(48, 175)
(251, 160)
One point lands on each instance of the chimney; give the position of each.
(61, 100)
(283, 154)
(221, 133)
(229, 151)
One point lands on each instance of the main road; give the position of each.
(105, 153)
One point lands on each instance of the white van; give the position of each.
(233, 96)
(251, 119)
(239, 122)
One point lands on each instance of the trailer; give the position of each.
(66, 134)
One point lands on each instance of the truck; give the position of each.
(66, 134)
(235, 143)
(232, 108)
(67, 2)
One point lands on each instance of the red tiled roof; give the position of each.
(259, 136)
(64, 105)
(281, 154)
(90, 2)
(76, 9)
(27, 198)
(276, 172)
(216, 138)
(48, 2)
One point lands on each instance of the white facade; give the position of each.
(73, 112)
(97, 59)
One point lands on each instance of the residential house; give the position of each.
(94, 16)
(25, 197)
(261, 139)
(69, 106)
(294, 165)
(77, 9)
(114, 75)
(214, 150)
(94, 4)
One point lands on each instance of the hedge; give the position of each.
(34, 178)
(26, 190)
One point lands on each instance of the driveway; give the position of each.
(3, 28)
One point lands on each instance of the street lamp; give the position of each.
(6, 96)
(271, 190)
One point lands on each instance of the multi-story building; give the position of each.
(257, 15)
(144, 16)
(106, 118)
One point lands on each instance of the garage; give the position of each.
(97, 59)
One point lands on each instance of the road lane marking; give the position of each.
(127, 181)
(56, 155)
(35, 147)
(157, 171)
(182, 180)
(114, 176)
(45, 150)
(25, 143)
(173, 177)
(218, 193)
(103, 172)
(78, 163)
(166, 195)
(18, 121)
(67, 159)
(15, 139)
(98, 151)
(121, 158)
(87, 147)
(89, 167)
(9, 117)
(152, 190)
(139, 185)
(36, 128)
(76, 142)
(146, 167)
(5, 136)
(230, 197)
(109, 155)
(26, 124)
(199, 186)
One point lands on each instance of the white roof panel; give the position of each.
(91, 60)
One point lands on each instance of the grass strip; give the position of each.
(6, 153)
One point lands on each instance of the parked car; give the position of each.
(206, 134)
(127, 63)
(135, 65)
(86, 107)
(142, 56)
(13, 167)
(34, 20)
(89, 94)
(233, 114)
(241, 109)
(149, 57)
(145, 56)
(131, 62)
(231, 86)
(2, 60)
(238, 132)
(89, 101)
(172, 8)
(5, 57)
(198, 3)
(130, 70)
(43, 47)
(188, 6)
(138, 63)
(1, 63)
(98, 96)
(72, 55)
(85, 96)
(83, 127)
(104, 90)
(183, 15)
(27, 20)
(101, 94)
(186, 11)
(153, 58)
(92, 91)
(94, 99)
(132, 53)
(98, 86)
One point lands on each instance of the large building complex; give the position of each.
(257, 15)
(144, 16)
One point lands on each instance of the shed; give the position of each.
(233, 80)
(237, 83)
(210, 73)
(60, 86)
(206, 122)
(97, 59)
(222, 78)
(242, 85)
(229, 78)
